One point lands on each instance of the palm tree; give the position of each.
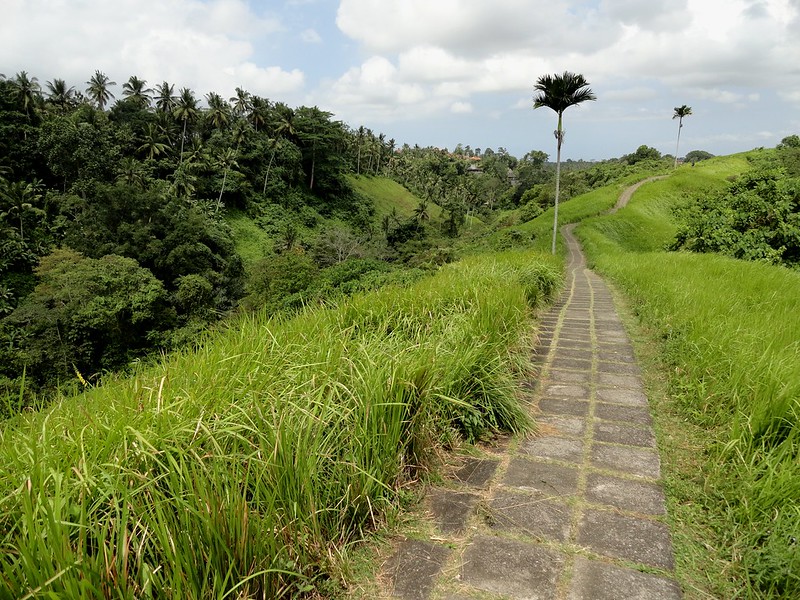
(20, 197)
(165, 97)
(218, 110)
(285, 128)
(152, 144)
(186, 110)
(258, 111)
(59, 94)
(27, 91)
(134, 89)
(98, 89)
(242, 102)
(558, 93)
(680, 112)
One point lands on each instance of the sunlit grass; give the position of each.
(246, 467)
(730, 336)
(391, 197)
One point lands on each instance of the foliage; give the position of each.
(756, 218)
(88, 315)
(728, 336)
(642, 153)
(248, 466)
(694, 156)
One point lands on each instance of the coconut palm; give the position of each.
(218, 110)
(558, 93)
(680, 112)
(152, 144)
(134, 89)
(27, 91)
(284, 128)
(59, 94)
(165, 97)
(98, 89)
(185, 110)
(259, 107)
(242, 102)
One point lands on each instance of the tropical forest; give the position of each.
(238, 338)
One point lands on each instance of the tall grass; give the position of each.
(730, 334)
(246, 468)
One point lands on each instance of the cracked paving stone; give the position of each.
(630, 538)
(512, 569)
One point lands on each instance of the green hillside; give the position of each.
(724, 333)
(389, 196)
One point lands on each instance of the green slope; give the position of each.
(389, 195)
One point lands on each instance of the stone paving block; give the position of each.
(571, 363)
(414, 568)
(451, 509)
(607, 352)
(512, 569)
(613, 367)
(521, 513)
(619, 412)
(595, 580)
(561, 425)
(573, 353)
(549, 479)
(603, 338)
(575, 334)
(625, 494)
(555, 448)
(618, 380)
(615, 347)
(561, 390)
(642, 462)
(570, 376)
(630, 538)
(575, 344)
(621, 396)
(476, 472)
(631, 435)
(561, 406)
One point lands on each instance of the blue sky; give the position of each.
(442, 72)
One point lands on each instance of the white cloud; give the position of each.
(461, 108)
(202, 45)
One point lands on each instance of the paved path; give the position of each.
(575, 512)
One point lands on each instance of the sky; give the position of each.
(444, 72)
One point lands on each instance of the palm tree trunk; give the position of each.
(269, 166)
(224, 179)
(559, 139)
(183, 138)
(680, 126)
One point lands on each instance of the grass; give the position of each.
(729, 337)
(390, 196)
(249, 466)
(252, 242)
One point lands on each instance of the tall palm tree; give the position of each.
(284, 128)
(152, 144)
(165, 97)
(185, 110)
(134, 89)
(259, 108)
(680, 112)
(558, 93)
(98, 89)
(218, 110)
(59, 94)
(242, 102)
(27, 91)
